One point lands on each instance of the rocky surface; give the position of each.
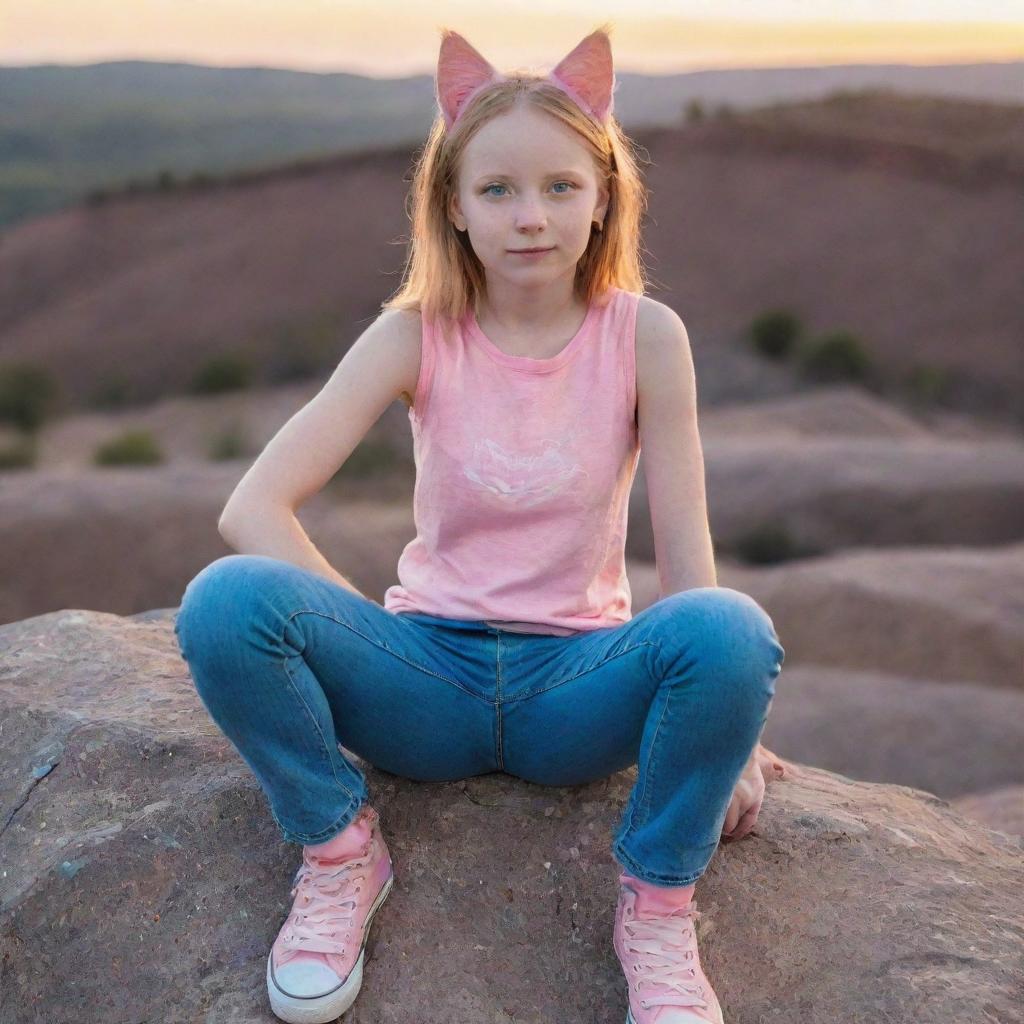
(1001, 809)
(934, 613)
(127, 539)
(144, 879)
(823, 494)
(928, 613)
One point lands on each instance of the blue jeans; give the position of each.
(289, 665)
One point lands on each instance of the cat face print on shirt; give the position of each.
(523, 479)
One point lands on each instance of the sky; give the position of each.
(385, 38)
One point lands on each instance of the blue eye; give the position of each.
(487, 189)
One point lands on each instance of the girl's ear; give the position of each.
(461, 72)
(587, 74)
(455, 213)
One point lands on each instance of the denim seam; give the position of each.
(384, 647)
(592, 668)
(635, 805)
(638, 804)
(497, 704)
(326, 748)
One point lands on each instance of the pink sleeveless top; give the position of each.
(523, 472)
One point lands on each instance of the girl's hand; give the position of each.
(772, 766)
(746, 801)
(748, 796)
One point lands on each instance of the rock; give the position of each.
(888, 719)
(1001, 809)
(947, 738)
(820, 494)
(839, 409)
(122, 540)
(937, 614)
(143, 877)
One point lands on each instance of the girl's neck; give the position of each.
(529, 325)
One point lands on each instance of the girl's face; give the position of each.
(527, 181)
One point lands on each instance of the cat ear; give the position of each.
(587, 74)
(461, 73)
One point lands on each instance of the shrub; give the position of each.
(20, 455)
(113, 393)
(835, 357)
(767, 544)
(694, 112)
(27, 395)
(927, 384)
(230, 443)
(775, 333)
(227, 372)
(305, 349)
(132, 448)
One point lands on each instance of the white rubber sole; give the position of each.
(630, 1019)
(331, 1005)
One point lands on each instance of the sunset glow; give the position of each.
(319, 35)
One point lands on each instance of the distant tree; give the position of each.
(836, 356)
(230, 443)
(775, 333)
(131, 448)
(767, 544)
(112, 393)
(694, 112)
(27, 395)
(227, 372)
(20, 455)
(929, 385)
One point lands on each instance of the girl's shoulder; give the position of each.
(662, 346)
(655, 320)
(403, 329)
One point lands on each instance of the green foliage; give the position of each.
(928, 385)
(694, 112)
(768, 544)
(113, 393)
(305, 349)
(837, 356)
(230, 443)
(776, 333)
(19, 455)
(27, 395)
(131, 448)
(227, 372)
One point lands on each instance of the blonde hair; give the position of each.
(443, 277)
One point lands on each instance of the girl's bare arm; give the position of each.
(260, 516)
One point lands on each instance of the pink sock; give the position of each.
(346, 843)
(658, 898)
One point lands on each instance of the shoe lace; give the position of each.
(671, 952)
(324, 908)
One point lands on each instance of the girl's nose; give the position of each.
(530, 216)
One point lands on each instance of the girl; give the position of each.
(532, 364)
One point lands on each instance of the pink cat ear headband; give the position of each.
(585, 75)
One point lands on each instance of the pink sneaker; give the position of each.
(315, 967)
(658, 952)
